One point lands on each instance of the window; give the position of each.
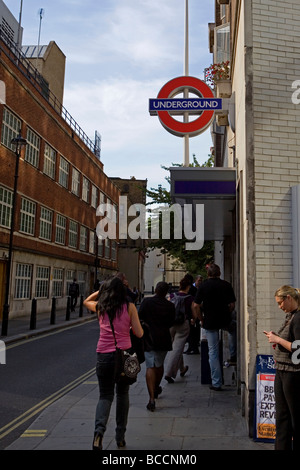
(49, 161)
(94, 199)
(108, 209)
(11, 126)
(6, 201)
(46, 224)
(63, 172)
(113, 250)
(107, 248)
(32, 151)
(102, 198)
(81, 282)
(23, 281)
(222, 12)
(85, 189)
(75, 181)
(100, 246)
(69, 278)
(83, 238)
(73, 234)
(57, 286)
(60, 232)
(42, 282)
(92, 242)
(222, 43)
(27, 222)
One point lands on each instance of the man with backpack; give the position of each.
(180, 330)
(73, 293)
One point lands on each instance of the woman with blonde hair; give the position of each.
(287, 362)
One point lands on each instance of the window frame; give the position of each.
(6, 207)
(49, 161)
(27, 218)
(32, 151)
(63, 176)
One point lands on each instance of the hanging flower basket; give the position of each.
(218, 76)
(216, 72)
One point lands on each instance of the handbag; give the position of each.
(127, 365)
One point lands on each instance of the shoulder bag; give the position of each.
(127, 365)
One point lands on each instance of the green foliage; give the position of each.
(194, 261)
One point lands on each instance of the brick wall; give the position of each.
(34, 112)
(276, 64)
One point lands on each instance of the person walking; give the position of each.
(179, 333)
(74, 294)
(214, 303)
(287, 378)
(131, 295)
(194, 336)
(111, 305)
(159, 314)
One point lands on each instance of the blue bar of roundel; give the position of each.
(204, 187)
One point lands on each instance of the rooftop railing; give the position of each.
(41, 85)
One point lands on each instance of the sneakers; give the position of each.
(216, 389)
(169, 379)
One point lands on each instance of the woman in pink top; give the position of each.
(110, 303)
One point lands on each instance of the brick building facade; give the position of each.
(61, 182)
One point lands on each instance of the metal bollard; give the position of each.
(81, 306)
(33, 315)
(68, 312)
(53, 311)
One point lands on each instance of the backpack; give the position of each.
(179, 302)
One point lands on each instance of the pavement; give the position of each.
(188, 415)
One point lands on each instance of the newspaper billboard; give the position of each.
(265, 412)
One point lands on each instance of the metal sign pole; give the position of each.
(186, 161)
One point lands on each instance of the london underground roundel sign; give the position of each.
(166, 106)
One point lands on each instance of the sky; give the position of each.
(119, 54)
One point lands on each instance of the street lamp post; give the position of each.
(18, 142)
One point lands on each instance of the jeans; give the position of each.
(232, 338)
(212, 337)
(105, 374)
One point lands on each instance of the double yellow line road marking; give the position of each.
(8, 428)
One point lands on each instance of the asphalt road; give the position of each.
(40, 370)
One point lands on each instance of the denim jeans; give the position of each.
(105, 374)
(212, 337)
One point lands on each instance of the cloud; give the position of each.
(118, 109)
(119, 53)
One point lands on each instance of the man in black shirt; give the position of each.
(159, 314)
(213, 304)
